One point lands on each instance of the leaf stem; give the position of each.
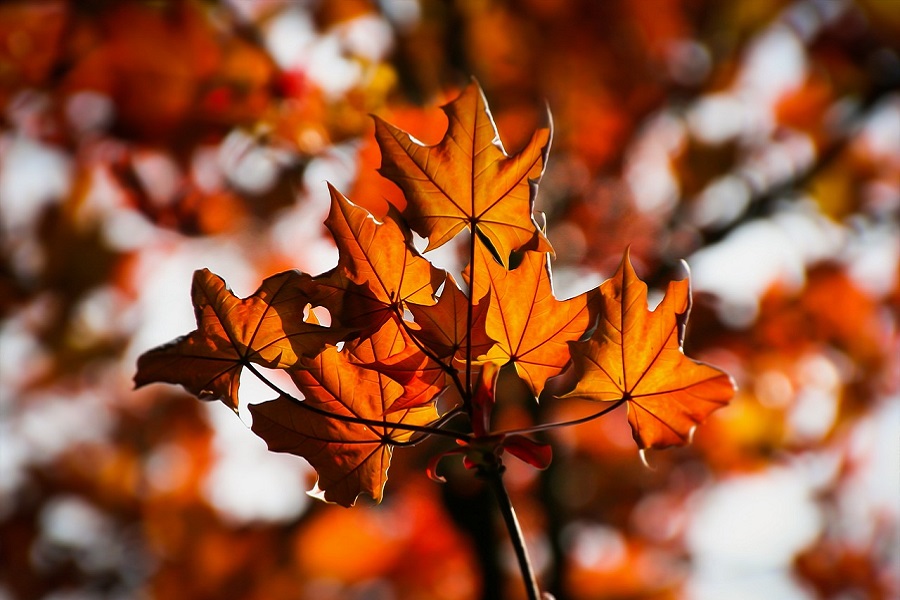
(494, 475)
(424, 429)
(470, 317)
(558, 424)
(448, 368)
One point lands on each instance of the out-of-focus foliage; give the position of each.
(758, 139)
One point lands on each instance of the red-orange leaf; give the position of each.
(531, 326)
(443, 327)
(636, 354)
(267, 328)
(350, 458)
(390, 350)
(378, 270)
(467, 180)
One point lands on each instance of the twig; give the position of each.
(494, 475)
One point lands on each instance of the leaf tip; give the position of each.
(643, 454)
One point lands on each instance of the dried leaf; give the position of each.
(378, 270)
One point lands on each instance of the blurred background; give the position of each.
(758, 139)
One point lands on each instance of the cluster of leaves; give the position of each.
(127, 130)
(408, 334)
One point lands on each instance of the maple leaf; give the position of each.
(351, 458)
(532, 328)
(267, 328)
(378, 270)
(467, 181)
(390, 350)
(444, 326)
(636, 355)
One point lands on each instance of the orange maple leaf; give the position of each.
(351, 458)
(392, 351)
(467, 181)
(378, 271)
(636, 355)
(531, 326)
(267, 328)
(444, 327)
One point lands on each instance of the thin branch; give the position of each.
(470, 317)
(448, 368)
(494, 475)
(558, 424)
(423, 429)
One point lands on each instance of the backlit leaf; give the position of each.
(467, 181)
(531, 326)
(268, 328)
(378, 270)
(444, 326)
(350, 458)
(636, 354)
(392, 351)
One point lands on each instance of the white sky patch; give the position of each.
(815, 404)
(874, 258)
(717, 118)
(774, 63)
(299, 232)
(760, 253)
(881, 131)
(368, 37)
(49, 425)
(247, 482)
(331, 59)
(55, 424)
(289, 37)
(447, 256)
(160, 175)
(124, 228)
(32, 175)
(164, 276)
(745, 531)
(330, 68)
(594, 546)
(404, 14)
(89, 112)
(721, 202)
(99, 315)
(778, 161)
(249, 166)
(868, 500)
(71, 521)
(648, 166)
